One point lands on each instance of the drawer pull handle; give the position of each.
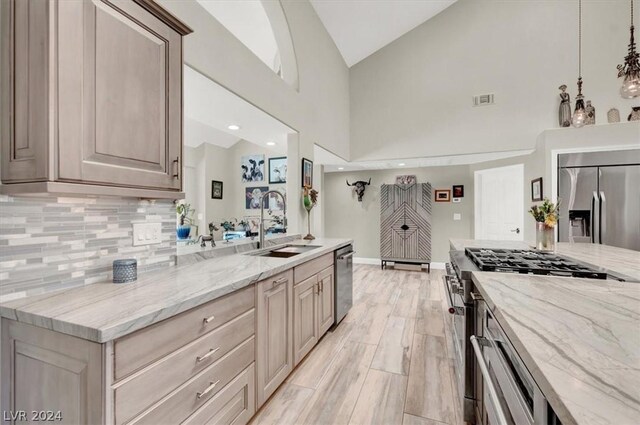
(206, 356)
(207, 390)
(280, 281)
(208, 320)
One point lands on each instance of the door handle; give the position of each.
(516, 230)
(595, 235)
(176, 161)
(603, 218)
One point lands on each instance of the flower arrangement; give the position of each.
(185, 220)
(546, 213)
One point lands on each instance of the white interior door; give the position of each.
(499, 203)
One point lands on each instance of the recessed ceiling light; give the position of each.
(402, 164)
(340, 168)
(234, 127)
(271, 143)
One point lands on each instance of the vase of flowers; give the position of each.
(185, 220)
(546, 216)
(309, 200)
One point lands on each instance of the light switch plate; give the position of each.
(457, 216)
(147, 233)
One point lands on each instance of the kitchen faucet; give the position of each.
(262, 219)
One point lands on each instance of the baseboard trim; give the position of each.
(376, 262)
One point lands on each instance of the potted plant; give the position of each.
(546, 216)
(185, 220)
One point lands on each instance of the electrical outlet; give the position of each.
(457, 216)
(147, 233)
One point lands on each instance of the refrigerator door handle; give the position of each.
(594, 222)
(602, 218)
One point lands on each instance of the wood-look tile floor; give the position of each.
(389, 362)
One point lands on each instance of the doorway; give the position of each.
(499, 203)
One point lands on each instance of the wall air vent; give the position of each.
(483, 99)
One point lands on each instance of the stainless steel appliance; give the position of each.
(343, 299)
(465, 306)
(511, 396)
(600, 198)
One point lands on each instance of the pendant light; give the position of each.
(579, 114)
(631, 68)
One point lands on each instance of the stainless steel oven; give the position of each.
(510, 395)
(461, 326)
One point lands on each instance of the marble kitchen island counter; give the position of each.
(579, 338)
(105, 311)
(623, 262)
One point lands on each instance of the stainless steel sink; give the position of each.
(285, 251)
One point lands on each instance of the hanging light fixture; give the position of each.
(579, 114)
(630, 69)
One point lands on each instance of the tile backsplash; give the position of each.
(49, 243)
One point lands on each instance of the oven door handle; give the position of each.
(450, 307)
(493, 393)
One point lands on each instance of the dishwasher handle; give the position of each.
(346, 256)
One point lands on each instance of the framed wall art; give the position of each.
(216, 189)
(252, 168)
(278, 170)
(307, 172)
(253, 196)
(536, 189)
(442, 195)
(458, 191)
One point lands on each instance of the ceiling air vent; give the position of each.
(483, 99)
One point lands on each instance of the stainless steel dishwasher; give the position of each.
(343, 282)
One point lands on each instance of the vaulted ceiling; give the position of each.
(361, 27)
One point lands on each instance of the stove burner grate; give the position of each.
(529, 262)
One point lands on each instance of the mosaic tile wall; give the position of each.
(53, 243)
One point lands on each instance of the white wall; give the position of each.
(413, 97)
(347, 218)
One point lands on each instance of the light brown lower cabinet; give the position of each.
(214, 364)
(274, 353)
(312, 311)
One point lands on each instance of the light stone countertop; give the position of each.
(616, 260)
(105, 311)
(579, 338)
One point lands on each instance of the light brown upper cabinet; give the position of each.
(91, 97)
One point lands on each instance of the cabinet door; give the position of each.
(325, 301)
(305, 317)
(46, 370)
(274, 356)
(120, 95)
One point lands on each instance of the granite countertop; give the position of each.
(105, 311)
(616, 260)
(579, 338)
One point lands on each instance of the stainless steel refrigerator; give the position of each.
(600, 198)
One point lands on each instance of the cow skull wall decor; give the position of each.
(360, 186)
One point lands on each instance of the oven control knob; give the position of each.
(452, 310)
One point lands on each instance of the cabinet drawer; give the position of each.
(140, 391)
(233, 405)
(134, 351)
(308, 269)
(193, 394)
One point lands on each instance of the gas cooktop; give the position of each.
(529, 262)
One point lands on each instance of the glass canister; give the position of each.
(545, 237)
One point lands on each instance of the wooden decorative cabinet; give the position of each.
(274, 353)
(91, 97)
(405, 223)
